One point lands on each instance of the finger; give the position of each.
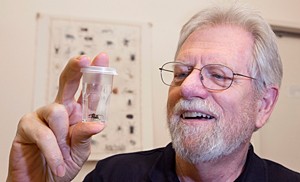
(31, 130)
(81, 140)
(101, 60)
(70, 79)
(56, 117)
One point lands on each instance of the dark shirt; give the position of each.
(158, 165)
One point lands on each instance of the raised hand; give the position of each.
(53, 143)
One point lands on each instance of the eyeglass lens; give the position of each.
(212, 76)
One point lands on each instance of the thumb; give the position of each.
(81, 140)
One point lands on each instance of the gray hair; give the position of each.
(267, 66)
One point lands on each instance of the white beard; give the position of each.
(210, 141)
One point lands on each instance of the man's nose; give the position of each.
(193, 87)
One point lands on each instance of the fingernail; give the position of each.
(84, 57)
(60, 170)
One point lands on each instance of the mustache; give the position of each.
(196, 104)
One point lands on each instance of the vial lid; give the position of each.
(99, 69)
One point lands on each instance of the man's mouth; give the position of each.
(196, 115)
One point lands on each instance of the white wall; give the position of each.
(17, 49)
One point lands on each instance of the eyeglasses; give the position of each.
(212, 76)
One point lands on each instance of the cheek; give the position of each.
(237, 104)
(229, 103)
(173, 97)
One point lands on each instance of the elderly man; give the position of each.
(224, 84)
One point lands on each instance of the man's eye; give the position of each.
(220, 79)
(180, 76)
(218, 76)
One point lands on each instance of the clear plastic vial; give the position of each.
(96, 89)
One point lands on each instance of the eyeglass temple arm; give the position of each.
(161, 69)
(244, 76)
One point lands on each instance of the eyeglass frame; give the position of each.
(201, 76)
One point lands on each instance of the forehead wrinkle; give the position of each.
(195, 56)
(230, 48)
(225, 55)
(194, 46)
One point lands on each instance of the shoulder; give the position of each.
(259, 169)
(135, 166)
(133, 159)
(278, 172)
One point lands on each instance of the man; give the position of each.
(224, 84)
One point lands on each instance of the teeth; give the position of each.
(189, 115)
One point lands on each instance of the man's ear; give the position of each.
(266, 105)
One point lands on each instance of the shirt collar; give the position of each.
(163, 168)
